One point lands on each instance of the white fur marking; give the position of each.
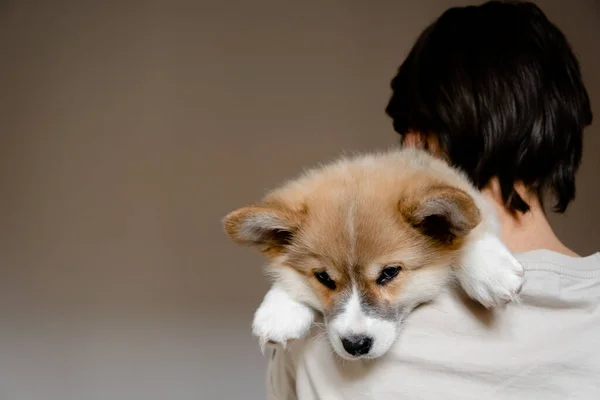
(280, 318)
(351, 227)
(489, 273)
(353, 321)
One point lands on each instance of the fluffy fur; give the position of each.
(364, 240)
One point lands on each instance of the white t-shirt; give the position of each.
(547, 347)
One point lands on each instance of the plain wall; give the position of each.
(129, 129)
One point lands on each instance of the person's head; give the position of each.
(498, 89)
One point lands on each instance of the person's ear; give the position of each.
(424, 141)
(414, 139)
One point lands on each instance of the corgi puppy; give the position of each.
(364, 240)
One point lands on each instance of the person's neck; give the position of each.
(525, 232)
(520, 232)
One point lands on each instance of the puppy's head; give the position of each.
(363, 244)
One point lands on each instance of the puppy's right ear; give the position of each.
(261, 225)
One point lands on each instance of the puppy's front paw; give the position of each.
(489, 273)
(280, 318)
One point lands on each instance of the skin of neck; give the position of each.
(521, 232)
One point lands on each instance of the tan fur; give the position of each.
(353, 217)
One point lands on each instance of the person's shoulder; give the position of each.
(561, 264)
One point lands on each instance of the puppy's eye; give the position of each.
(325, 279)
(388, 273)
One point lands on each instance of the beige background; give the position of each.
(127, 130)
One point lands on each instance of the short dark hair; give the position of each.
(501, 88)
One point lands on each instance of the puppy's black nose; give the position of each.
(357, 345)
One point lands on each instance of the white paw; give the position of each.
(489, 273)
(280, 318)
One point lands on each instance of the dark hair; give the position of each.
(501, 88)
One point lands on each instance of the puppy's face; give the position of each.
(363, 250)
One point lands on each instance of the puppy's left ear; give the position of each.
(441, 212)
